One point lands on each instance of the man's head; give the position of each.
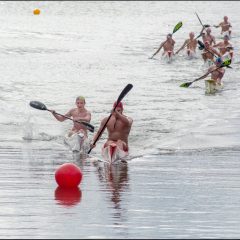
(80, 101)
(226, 38)
(208, 30)
(191, 35)
(119, 107)
(169, 36)
(225, 18)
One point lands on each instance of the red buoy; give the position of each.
(68, 175)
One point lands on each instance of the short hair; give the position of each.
(80, 98)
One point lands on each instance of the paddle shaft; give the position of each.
(67, 117)
(103, 127)
(99, 135)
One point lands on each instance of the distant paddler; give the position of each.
(217, 72)
(225, 47)
(208, 53)
(208, 36)
(80, 113)
(225, 27)
(191, 44)
(168, 44)
(168, 47)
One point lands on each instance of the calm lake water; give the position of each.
(183, 176)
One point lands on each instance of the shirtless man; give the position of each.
(218, 74)
(209, 52)
(167, 45)
(208, 37)
(191, 44)
(118, 128)
(79, 113)
(225, 47)
(225, 25)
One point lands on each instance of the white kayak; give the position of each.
(77, 142)
(113, 154)
(212, 87)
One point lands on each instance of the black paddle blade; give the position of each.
(186, 85)
(200, 43)
(177, 27)
(124, 92)
(38, 105)
(206, 25)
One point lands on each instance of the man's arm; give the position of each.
(217, 26)
(216, 52)
(98, 132)
(214, 40)
(183, 46)
(123, 118)
(161, 45)
(216, 45)
(61, 118)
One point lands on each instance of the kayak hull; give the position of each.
(212, 87)
(113, 153)
(76, 142)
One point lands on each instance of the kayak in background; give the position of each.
(212, 86)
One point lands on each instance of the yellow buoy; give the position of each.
(36, 11)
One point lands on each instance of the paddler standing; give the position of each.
(168, 46)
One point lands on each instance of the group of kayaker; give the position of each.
(213, 53)
(118, 126)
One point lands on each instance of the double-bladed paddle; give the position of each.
(121, 96)
(41, 106)
(176, 28)
(224, 64)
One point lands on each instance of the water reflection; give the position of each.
(115, 177)
(68, 197)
